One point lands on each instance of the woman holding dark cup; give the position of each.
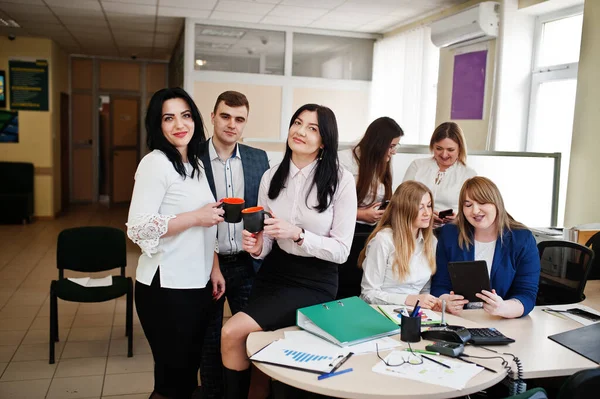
(313, 204)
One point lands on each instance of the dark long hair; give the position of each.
(371, 156)
(326, 172)
(156, 140)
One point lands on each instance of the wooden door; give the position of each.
(125, 133)
(82, 144)
(65, 153)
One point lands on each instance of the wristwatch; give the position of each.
(300, 237)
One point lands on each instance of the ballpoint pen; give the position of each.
(328, 375)
(476, 364)
(435, 361)
(424, 352)
(337, 366)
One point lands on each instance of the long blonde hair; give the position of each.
(483, 191)
(400, 216)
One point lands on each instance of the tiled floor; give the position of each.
(91, 359)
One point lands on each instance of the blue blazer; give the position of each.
(254, 163)
(515, 269)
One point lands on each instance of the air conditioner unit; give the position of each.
(475, 24)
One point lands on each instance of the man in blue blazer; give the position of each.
(515, 270)
(232, 170)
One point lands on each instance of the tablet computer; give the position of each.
(469, 278)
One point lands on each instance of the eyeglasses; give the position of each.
(393, 148)
(409, 358)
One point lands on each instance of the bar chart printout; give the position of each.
(294, 354)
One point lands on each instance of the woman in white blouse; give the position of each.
(173, 217)
(369, 163)
(313, 203)
(446, 171)
(399, 256)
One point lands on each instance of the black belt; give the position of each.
(232, 258)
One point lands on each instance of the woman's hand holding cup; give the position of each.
(281, 229)
(209, 215)
(252, 242)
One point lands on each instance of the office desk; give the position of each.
(540, 357)
(364, 383)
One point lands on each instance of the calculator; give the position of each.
(451, 349)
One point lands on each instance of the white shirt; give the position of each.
(379, 283)
(348, 162)
(159, 194)
(228, 176)
(485, 251)
(328, 235)
(447, 189)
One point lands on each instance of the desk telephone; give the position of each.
(457, 334)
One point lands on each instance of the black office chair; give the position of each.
(349, 274)
(594, 243)
(91, 249)
(583, 384)
(565, 269)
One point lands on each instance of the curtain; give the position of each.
(404, 85)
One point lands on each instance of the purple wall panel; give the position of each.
(468, 85)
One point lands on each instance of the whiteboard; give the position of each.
(525, 180)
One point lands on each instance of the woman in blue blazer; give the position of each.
(485, 231)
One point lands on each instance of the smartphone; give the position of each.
(445, 213)
(384, 205)
(583, 313)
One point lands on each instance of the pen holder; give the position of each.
(410, 328)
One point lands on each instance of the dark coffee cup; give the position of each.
(410, 328)
(254, 218)
(233, 209)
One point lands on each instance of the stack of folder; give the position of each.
(345, 322)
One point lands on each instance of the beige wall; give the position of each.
(265, 106)
(583, 190)
(529, 3)
(37, 129)
(349, 107)
(475, 130)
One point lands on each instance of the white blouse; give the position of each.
(159, 194)
(379, 283)
(328, 235)
(348, 162)
(447, 189)
(485, 251)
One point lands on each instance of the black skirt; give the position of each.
(288, 282)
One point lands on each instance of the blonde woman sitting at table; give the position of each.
(446, 171)
(399, 256)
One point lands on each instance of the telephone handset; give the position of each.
(457, 334)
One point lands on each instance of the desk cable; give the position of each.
(516, 385)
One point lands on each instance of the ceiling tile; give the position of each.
(335, 25)
(285, 21)
(328, 4)
(48, 29)
(162, 40)
(77, 12)
(131, 19)
(37, 2)
(301, 12)
(195, 4)
(139, 27)
(79, 4)
(144, 2)
(127, 8)
(230, 16)
(84, 22)
(354, 17)
(243, 7)
(182, 12)
(259, 1)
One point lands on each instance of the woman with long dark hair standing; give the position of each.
(313, 203)
(370, 164)
(173, 217)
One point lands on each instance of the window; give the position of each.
(332, 57)
(553, 90)
(225, 48)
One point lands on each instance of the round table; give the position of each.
(362, 382)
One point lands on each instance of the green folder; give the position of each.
(345, 322)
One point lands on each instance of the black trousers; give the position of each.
(174, 322)
(239, 276)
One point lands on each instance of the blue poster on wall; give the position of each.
(9, 126)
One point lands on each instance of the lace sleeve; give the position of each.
(146, 229)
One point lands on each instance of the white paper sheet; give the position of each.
(582, 320)
(306, 338)
(427, 317)
(456, 377)
(293, 353)
(93, 282)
